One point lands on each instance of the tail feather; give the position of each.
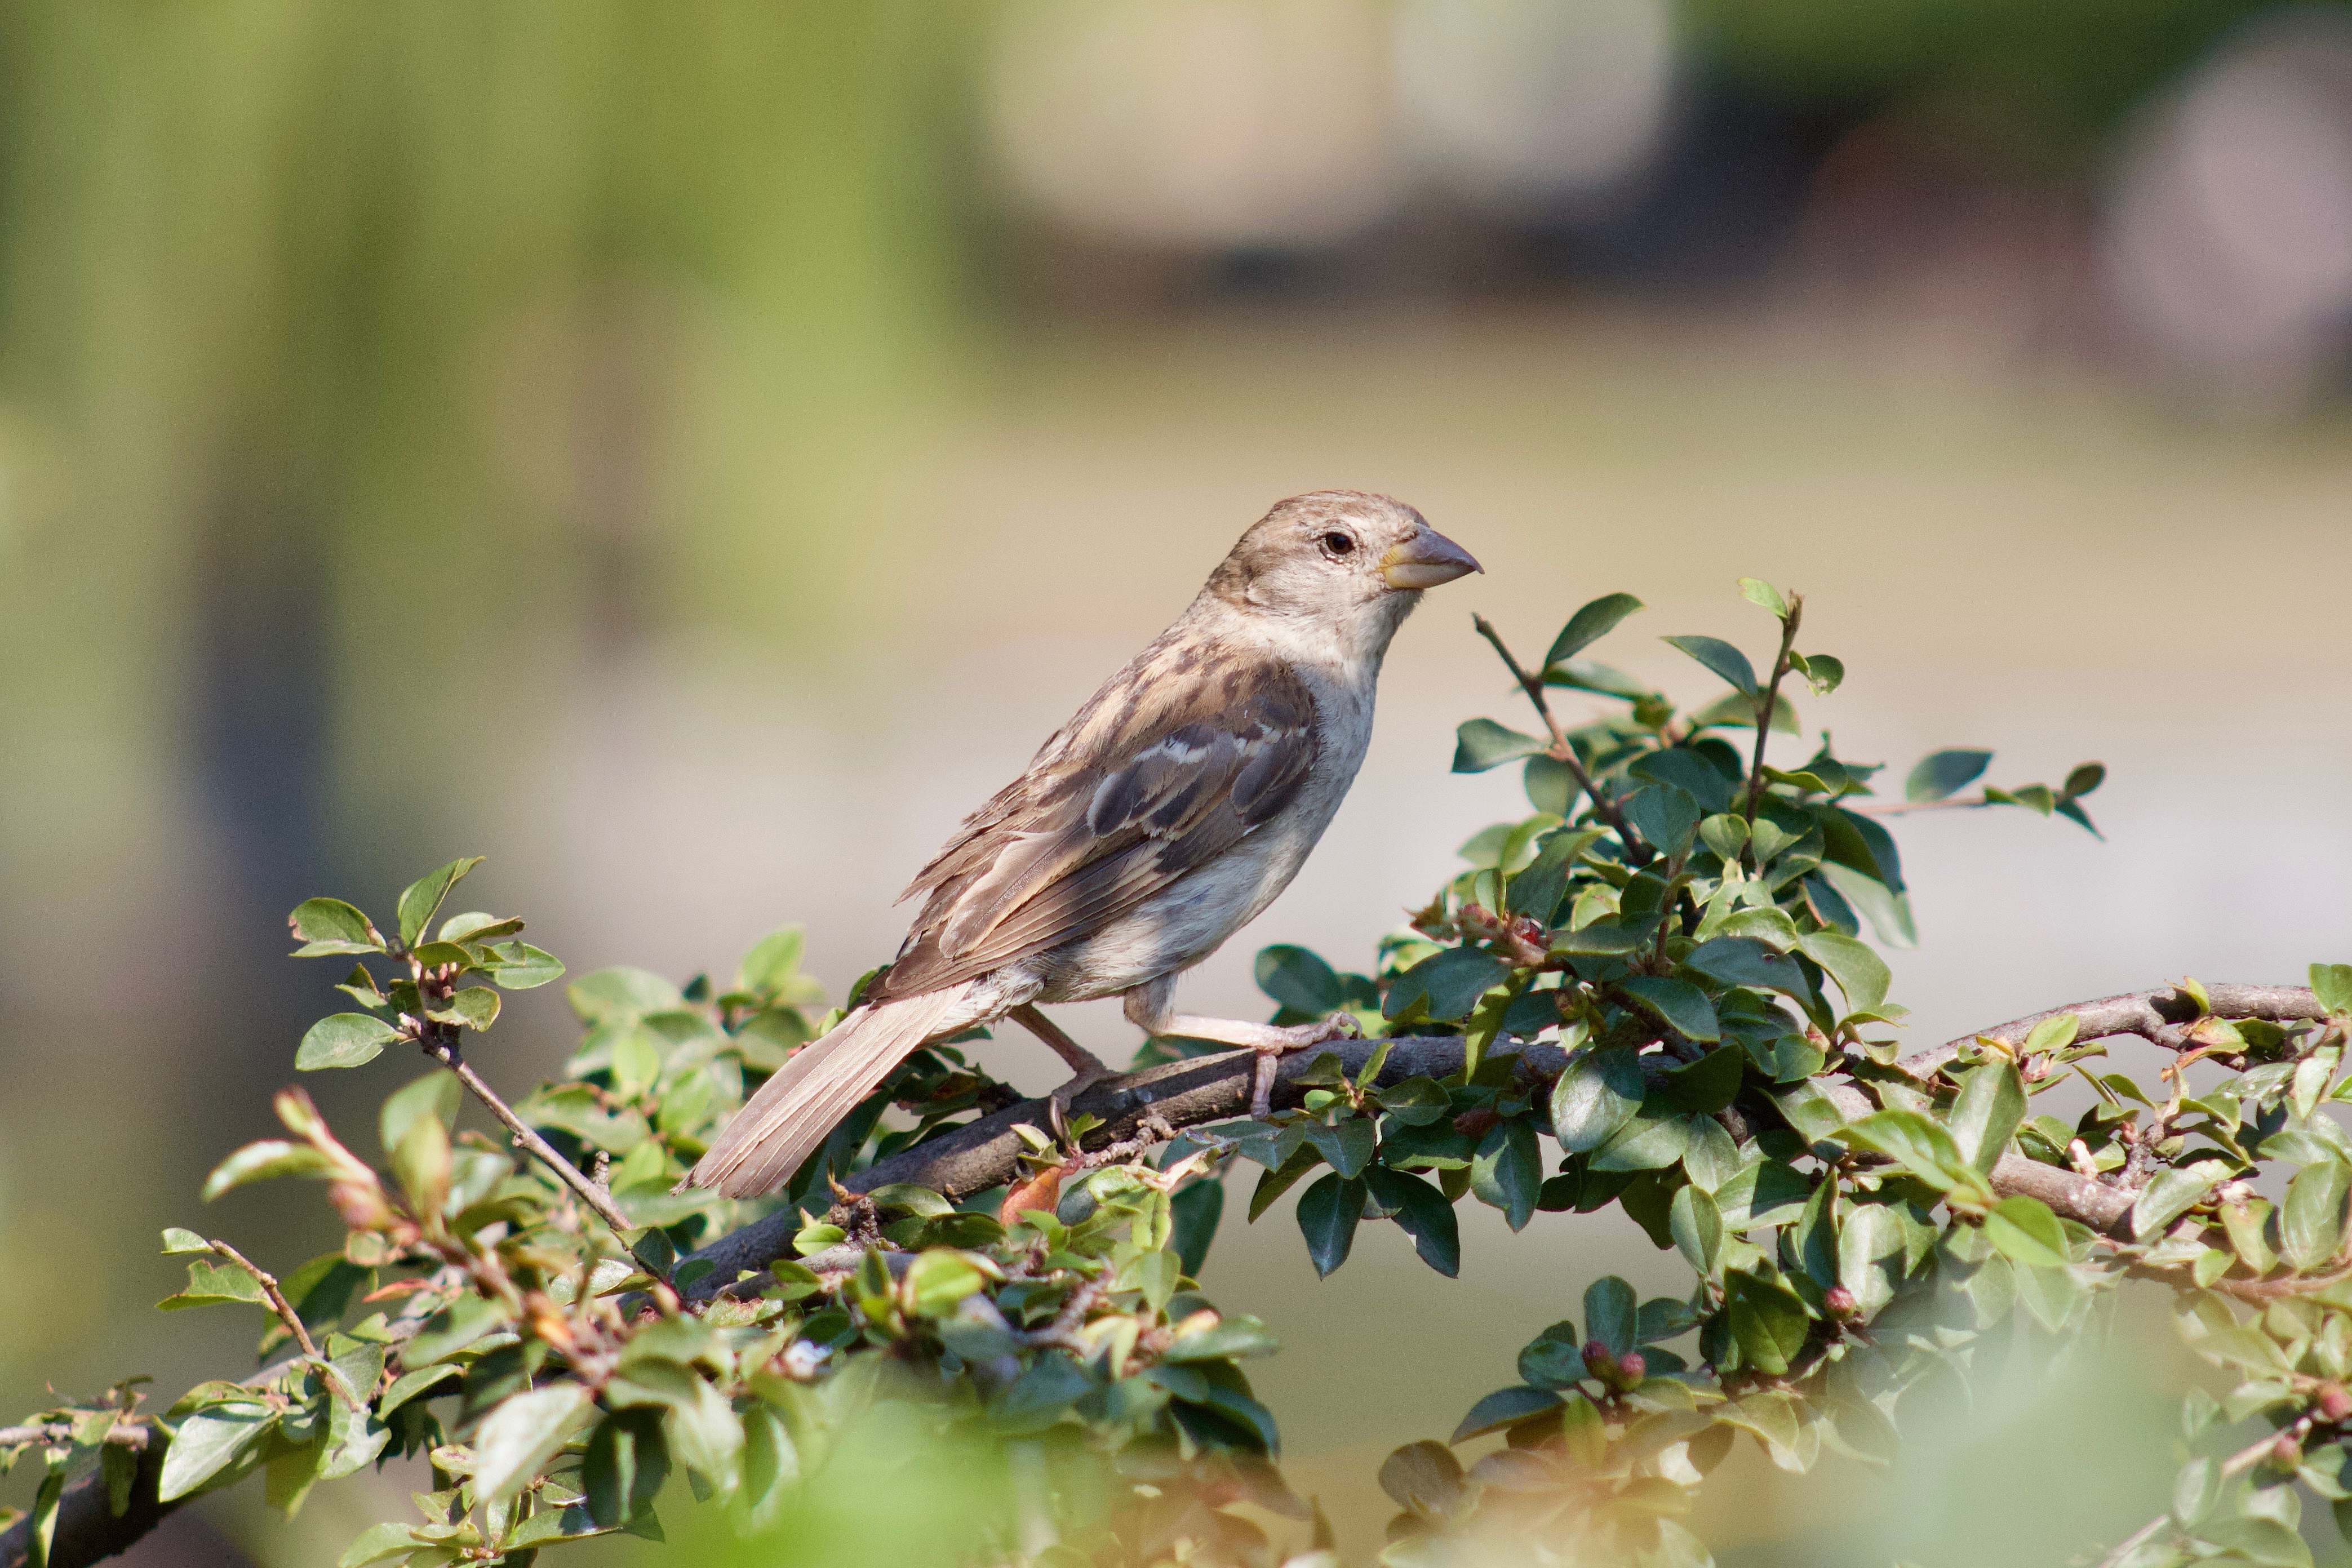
(793, 1112)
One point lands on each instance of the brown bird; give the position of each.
(1171, 809)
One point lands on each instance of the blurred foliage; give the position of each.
(1663, 969)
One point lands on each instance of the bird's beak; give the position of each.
(1426, 560)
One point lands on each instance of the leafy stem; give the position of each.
(1562, 752)
(1767, 702)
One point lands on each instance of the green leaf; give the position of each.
(1481, 743)
(1347, 1147)
(1503, 1407)
(2311, 1221)
(1612, 1314)
(343, 1040)
(409, 1385)
(1415, 1102)
(1825, 672)
(1228, 1339)
(1860, 973)
(1599, 1094)
(1651, 1141)
(1589, 624)
(626, 1463)
(1665, 815)
(939, 1279)
(262, 1161)
(1720, 657)
(328, 926)
(522, 967)
(1707, 1085)
(474, 1008)
(1767, 1320)
(1300, 980)
(378, 1544)
(1538, 890)
(2168, 1196)
(1677, 1004)
(1941, 774)
(1989, 1110)
(1425, 1479)
(421, 899)
(1758, 592)
(621, 995)
(1919, 1145)
(1193, 1213)
(207, 1443)
(434, 1095)
(1697, 1228)
(178, 1241)
(2332, 983)
(210, 1282)
(1422, 1212)
(773, 964)
(2082, 779)
(523, 1435)
(1507, 1173)
(1328, 1214)
(2025, 1231)
(1448, 984)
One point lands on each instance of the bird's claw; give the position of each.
(1295, 1038)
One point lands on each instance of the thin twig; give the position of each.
(445, 1050)
(1770, 707)
(2236, 1465)
(128, 1435)
(1562, 752)
(270, 1288)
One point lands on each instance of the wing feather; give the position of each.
(1176, 759)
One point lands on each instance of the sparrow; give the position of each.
(1171, 809)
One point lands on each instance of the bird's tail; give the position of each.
(783, 1124)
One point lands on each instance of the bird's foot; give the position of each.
(1281, 1041)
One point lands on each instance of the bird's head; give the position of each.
(1345, 561)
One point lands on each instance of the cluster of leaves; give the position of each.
(480, 1315)
(1657, 990)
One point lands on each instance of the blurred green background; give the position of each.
(691, 453)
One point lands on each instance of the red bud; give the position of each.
(1631, 1367)
(2335, 1402)
(1840, 1302)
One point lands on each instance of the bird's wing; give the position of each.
(1177, 759)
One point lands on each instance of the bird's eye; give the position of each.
(1336, 545)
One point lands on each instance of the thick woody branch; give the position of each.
(987, 1153)
(2161, 1016)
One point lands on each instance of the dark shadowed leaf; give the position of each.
(1594, 1097)
(1300, 980)
(1193, 1214)
(1589, 624)
(1612, 1314)
(1507, 1173)
(1425, 1479)
(1448, 984)
(1677, 1004)
(1328, 1215)
(1481, 743)
(1503, 1407)
(1722, 658)
(1422, 1212)
(1941, 774)
(1745, 961)
(1767, 1320)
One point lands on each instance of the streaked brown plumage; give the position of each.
(1171, 809)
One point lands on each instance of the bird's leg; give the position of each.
(1085, 1068)
(1148, 1009)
